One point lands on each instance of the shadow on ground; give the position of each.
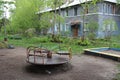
(50, 69)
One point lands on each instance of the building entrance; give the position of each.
(75, 30)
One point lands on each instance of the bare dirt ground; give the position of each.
(13, 66)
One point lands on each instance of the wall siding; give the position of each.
(98, 13)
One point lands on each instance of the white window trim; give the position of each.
(96, 13)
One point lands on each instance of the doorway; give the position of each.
(75, 30)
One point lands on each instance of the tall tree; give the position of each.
(25, 15)
(86, 4)
(46, 20)
(3, 10)
(55, 5)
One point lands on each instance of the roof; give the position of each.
(75, 2)
(113, 1)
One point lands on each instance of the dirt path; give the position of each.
(14, 67)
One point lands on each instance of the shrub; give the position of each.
(3, 45)
(30, 32)
(38, 40)
(16, 37)
(43, 39)
(83, 43)
(56, 38)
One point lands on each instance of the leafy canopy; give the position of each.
(25, 15)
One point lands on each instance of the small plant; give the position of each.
(108, 28)
(3, 45)
(56, 38)
(16, 37)
(92, 28)
(43, 39)
(38, 40)
(30, 32)
(86, 42)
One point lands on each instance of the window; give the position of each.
(113, 9)
(66, 12)
(104, 8)
(86, 27)
(75, 11)
(62, 13)
(109, 9)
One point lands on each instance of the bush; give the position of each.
(56, 38)
(3, 45)
(43, 39)
(38, 40)
(83, 43)
(30, 32)
(16, 37)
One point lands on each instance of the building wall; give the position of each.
(108, 11)
(98, 13)
(103, 17)
(71, 17)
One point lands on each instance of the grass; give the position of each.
(76, 49)
(44, 42)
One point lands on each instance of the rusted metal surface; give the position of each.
(40, 56)
(55, 60)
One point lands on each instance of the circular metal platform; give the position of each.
(55, 60)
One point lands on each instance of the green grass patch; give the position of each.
(44, 41)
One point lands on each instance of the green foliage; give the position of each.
(56, 38)
(86, 42)
(15, 36)
(1, 24)
(30, 32)
(92, 28)
(3, 45)
(59, 19)
(87, 6)
(25, 16)
(46, 20)
(118, 1)
(1, 6)
(38, 40)
(44, 41)
(54, 3)
(109, 26)
(66, 40)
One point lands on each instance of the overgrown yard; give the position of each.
(77, 48)
(83, 67)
